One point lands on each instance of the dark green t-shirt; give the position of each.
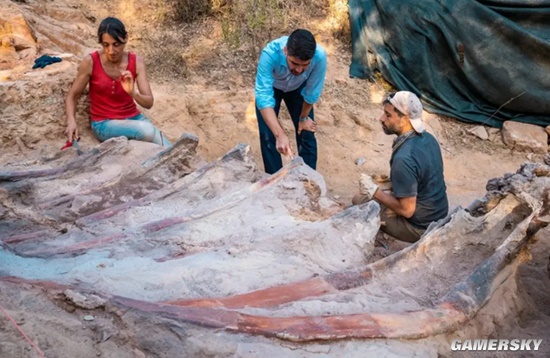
(417, 170)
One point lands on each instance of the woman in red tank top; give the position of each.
(117, 80)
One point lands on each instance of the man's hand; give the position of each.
(72, 130)
(367, 186)
(127, 82)
(307, 125)
(283, 145)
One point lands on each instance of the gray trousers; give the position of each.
(398, 227)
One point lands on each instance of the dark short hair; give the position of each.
(301, 44)
(113, 27)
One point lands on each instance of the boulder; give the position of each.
(525, 137)
(33, 108)
(17, 40)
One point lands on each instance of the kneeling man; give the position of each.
(419, 193)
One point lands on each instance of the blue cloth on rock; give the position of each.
(44, 61)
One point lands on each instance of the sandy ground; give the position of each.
(217, 103)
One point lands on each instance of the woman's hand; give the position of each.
(127, 82)
(72, 130)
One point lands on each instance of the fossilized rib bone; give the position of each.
(80, 163)
(56, 246)
(76, 163)
(463, 300)
(239, 153)
(169, 165)
(226, 202)
(449, 274)
(238, 159)
(455, 308)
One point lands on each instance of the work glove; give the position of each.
(367, 187)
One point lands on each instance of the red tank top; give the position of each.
(108, 100)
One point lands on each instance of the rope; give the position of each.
(23, 333)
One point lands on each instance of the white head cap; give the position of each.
(409, 104)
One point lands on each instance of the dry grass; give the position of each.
(164, 53)
(255, 22)
(187, 11)
(201, 35)
(338, 18)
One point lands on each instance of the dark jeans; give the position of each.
(307, 144)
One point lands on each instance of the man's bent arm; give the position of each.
(402, 206)
(316, 81)
(306, 108)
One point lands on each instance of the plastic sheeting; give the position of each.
(477, 61)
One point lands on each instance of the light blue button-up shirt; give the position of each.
(273, 72)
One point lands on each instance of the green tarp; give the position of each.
(477, 61)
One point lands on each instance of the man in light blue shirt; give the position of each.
(291, 68)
